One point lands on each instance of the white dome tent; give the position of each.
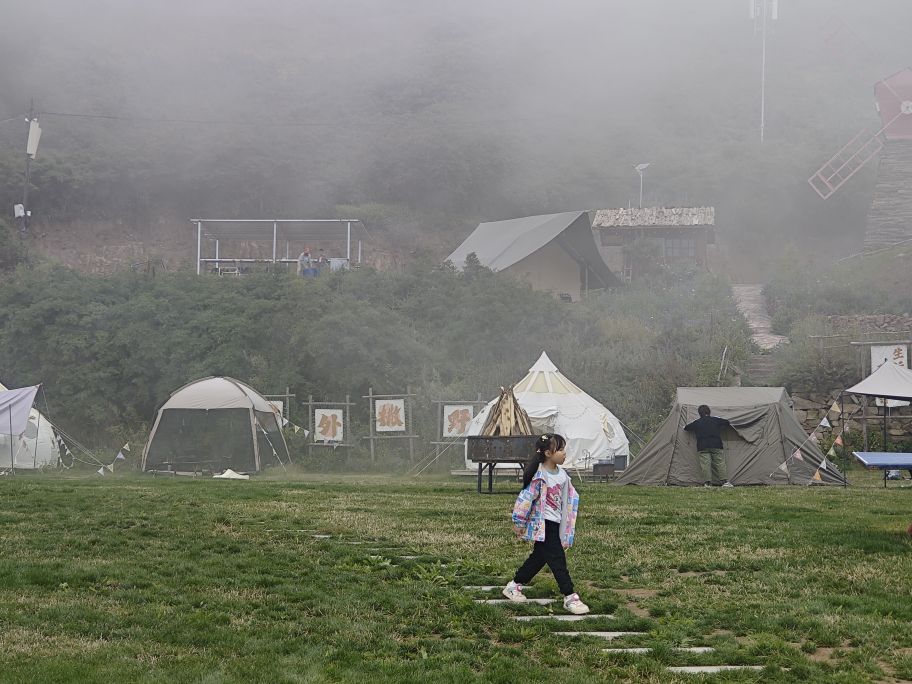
(555, 404)
(35, 448)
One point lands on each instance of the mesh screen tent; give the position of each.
(213, 424)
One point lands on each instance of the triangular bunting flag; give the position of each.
(797, 455)
(125, 447)
(813, 437)
(120, 456)
(817, 476)
(784, 467)
(838, 440)
(110, 467)
(825, 423)
(296, 429)
(823, 463)
(285, 422)
(100, 471)
(835, 407)
(831, 453)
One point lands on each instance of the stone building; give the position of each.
(680, 235)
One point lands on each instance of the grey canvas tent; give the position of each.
(760, 447)
(213, 424)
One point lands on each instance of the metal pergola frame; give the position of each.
(288, 230)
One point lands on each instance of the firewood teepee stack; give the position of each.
(507, 417)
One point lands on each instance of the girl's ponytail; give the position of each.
(550, 442)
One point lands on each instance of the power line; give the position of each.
(292, 124)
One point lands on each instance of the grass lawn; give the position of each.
(140, 579)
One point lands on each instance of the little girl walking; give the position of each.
(545, 512)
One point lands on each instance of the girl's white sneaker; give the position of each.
(513, 591)
(575, 605)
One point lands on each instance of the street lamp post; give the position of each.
(641, 169)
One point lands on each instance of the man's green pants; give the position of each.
(712, 461)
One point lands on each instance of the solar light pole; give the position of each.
(641, 169)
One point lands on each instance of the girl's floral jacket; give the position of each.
(528, 517)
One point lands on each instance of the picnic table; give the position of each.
(885, 461)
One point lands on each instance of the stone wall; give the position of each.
(812, 407)
(872, 323)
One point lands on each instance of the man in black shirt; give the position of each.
(709, 443)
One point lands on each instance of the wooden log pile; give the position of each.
(507, 418)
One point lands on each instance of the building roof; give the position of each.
(654, 216)
(500, 244)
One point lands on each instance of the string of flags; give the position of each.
(109, 467)
(813, 437)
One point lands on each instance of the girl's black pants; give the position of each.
(550, 553)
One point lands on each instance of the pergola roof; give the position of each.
(285, 229)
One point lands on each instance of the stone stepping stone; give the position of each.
(482, 587)
(562, 618)
(537, 601)
(600, 635)
(322, 536)
(710, 669)
(353, 543)
(680, 649)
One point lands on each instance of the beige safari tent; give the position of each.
(214, 424)
(760, 446)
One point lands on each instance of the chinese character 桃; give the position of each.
(389, 415)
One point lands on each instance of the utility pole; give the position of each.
(763, 11)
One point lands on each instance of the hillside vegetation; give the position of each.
(109, 350)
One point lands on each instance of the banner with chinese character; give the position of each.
(328, 426)
(456, 419)
(889, 353)
(389, 415)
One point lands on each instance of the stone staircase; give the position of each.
(762, 366)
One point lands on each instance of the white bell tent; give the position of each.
(555, 404)
(35, 448)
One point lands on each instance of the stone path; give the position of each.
(752, 305)
(606, 635)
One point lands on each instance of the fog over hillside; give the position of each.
(439, 114)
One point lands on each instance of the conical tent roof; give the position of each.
(36, 448)
(555, 404)
(765, 445)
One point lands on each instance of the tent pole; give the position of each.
(12, 454)
(864, 422)
(886, 413)
(845, 458)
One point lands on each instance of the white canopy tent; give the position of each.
(890, 381)
(32, 448)
(555, 404)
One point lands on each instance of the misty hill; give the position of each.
(425, 118)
